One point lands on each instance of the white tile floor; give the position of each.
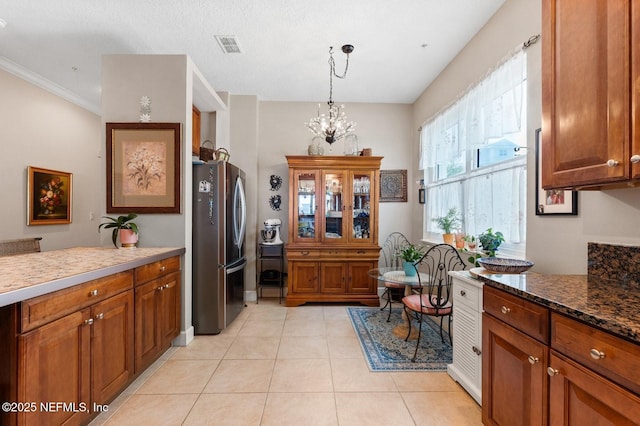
(286, 366)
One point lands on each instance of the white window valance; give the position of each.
(489, 109)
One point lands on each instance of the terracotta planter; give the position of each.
(448, 239)
(128, 238)
(459, 237)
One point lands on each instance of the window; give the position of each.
(471, 158)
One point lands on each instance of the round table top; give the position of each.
(397, 276)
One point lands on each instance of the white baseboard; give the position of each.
(184, 338)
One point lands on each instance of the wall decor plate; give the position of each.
(393, 186)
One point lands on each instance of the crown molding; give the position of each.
(38, 80)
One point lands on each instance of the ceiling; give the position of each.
(400, 46)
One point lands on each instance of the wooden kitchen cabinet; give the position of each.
(333, 229)
(514, 376)
(590, 124)
(594, 376)
(83, 358)
(157, 310)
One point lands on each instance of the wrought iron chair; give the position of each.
(390, 257)
(433, 298)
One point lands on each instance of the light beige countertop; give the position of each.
(29, 275)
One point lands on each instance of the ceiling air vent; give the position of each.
(229, 44)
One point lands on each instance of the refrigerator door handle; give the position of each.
(237, 267)
(239, 202)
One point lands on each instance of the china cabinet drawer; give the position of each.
(467, 294)
(525, 316)
(302, 254)
(46, 308)
(156, 269)
(602, 352)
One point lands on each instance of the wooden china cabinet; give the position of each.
(333, 229)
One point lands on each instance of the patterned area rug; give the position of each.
(384, 351)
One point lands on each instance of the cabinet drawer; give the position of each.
(526, 316)
(302, 254)
(600, 351)
(467, 294)
(43, 309)
(156, 269)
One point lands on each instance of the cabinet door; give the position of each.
(514, 386)
(336, 206)
(147, 342)
(55, 365)
(333, 277)
(170, 309)
(303, 220)
(585, 120)
(578, 396)
(112, 346)
(359, 280)
(305, 277)
(361, 214)
(467, 347)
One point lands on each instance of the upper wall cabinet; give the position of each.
(590, 94)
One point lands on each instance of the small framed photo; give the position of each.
(48, 196)
(552, 201)
(393, 186)
(143, 167)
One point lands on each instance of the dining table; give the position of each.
(397, 275)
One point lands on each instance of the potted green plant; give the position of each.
(471, 241)
(448, 223)
(490, 241)
(122, 226)
(410, 254)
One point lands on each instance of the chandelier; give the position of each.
(334, 125)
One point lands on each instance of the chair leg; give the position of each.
(441, 336)
(389, 303)
(386, 291)
(450, 331)
(415, 353)
(409, 321)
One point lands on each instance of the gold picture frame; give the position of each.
(143, 167)
(49, 196)
(393, 186)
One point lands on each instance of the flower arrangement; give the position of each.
(51, 194)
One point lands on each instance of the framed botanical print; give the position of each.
(143, 167)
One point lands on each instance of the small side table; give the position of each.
(267, 276)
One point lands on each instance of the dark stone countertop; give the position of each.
(610, 305)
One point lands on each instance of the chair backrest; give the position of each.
(21, 246)
(436, 264)
(391, 248)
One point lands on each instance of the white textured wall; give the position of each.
(40, 129)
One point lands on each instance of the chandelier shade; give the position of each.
(333, 125)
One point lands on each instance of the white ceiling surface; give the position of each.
(285, 43)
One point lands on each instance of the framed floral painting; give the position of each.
(143, 167)
(48, 196)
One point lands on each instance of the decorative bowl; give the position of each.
(505, 266)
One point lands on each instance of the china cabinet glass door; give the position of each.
(360, 213)
(306, 205)
(334, 206)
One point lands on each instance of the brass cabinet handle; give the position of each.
(162, 268)
(552, 371)
(612, 163)
(635, 159)
(533, 360)
(596, 354)
(100, 316)
(305, 253)
(505, 310)
(361, 252)
(166, 286)
(88, 321)
(93, 293)
(160, 288)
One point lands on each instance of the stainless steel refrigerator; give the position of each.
(219, 225)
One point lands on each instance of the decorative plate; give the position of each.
(505, 266)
